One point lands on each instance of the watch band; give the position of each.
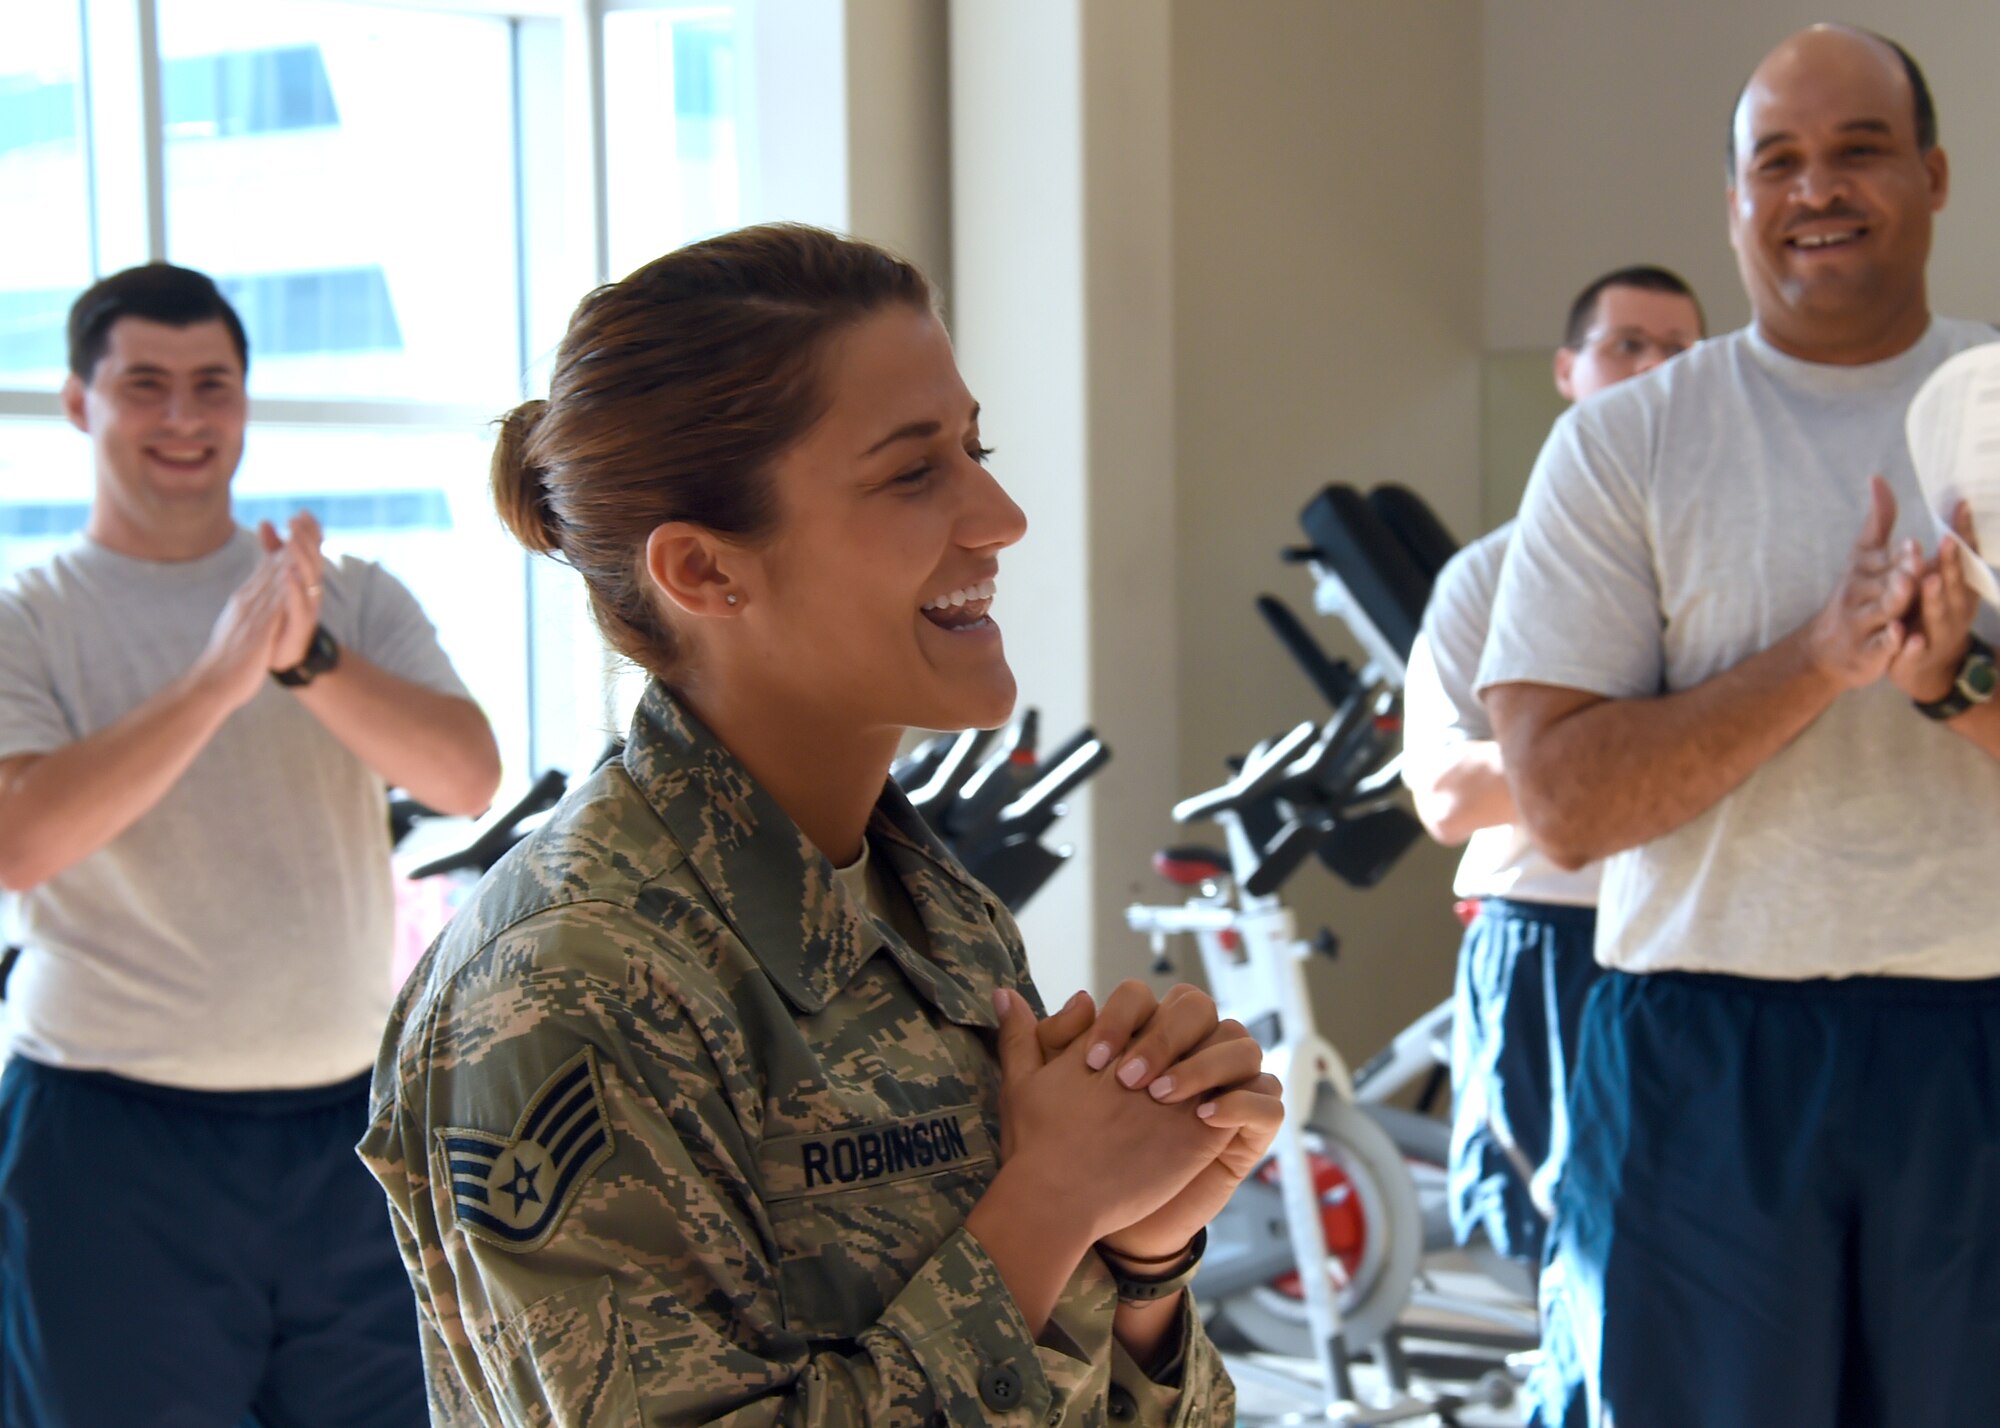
(1146, 1289)
(321, 655)
(1973, 684)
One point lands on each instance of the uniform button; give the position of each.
(1123, 1409)
(1000, 1387)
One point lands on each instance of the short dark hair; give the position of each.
(1925, 108)
(1644, 275)
(157, 292)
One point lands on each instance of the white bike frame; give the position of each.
(1251, 988)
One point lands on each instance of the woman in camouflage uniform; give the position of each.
(726, 1100)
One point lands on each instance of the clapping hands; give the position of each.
(269, 621)
(1938, 625)
(1896, 612)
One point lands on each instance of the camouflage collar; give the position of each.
(777, 891)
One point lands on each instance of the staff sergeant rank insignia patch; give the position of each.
(513, 1192)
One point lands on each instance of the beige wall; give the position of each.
(1136, 592)
(1518, 403)
(1327, 328)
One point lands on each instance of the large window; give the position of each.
(348, 171)
(670, 91)
(44, 190)
(404, 202)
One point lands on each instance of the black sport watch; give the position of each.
(1977, 679)
(321, 655)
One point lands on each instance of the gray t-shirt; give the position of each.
(1678, 524)
(1440, 710)
(237, 935)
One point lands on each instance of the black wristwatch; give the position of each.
(1144, 1289)
(1977, 679)
(321, 655)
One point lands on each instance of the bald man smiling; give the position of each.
(1730, 657)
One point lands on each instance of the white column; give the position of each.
(125, 137)
(1061, 307)
(898, 130)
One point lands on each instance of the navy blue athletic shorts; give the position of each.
(1781, 1206)
(195, 1259)
(1524, 972)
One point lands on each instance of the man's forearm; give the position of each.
(1594, 776)
(58, 808)
(1979, 726)
(437, 747)
(1460, 789)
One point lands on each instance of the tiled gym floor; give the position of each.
(1272, 1390)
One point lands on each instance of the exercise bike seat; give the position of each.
(1381, 573)
(1189, 865)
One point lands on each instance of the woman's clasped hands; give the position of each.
(1138, 1119)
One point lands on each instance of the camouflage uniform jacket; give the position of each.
(674, 1132)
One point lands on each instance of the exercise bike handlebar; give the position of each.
(502, 832)
(1040, 804)
(1313, 809)
(1375, 790)
(1339, 740)
(960, 762)
(1296, 767)
(1263, 769)
(1290, 846)
(1316, 777)
(995, 783)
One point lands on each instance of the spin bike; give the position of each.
(1352, 1183)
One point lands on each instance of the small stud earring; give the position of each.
(731, 599)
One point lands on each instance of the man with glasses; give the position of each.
(1526, 964)
(1625, 324)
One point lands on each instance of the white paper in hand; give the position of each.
(1954, 432)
